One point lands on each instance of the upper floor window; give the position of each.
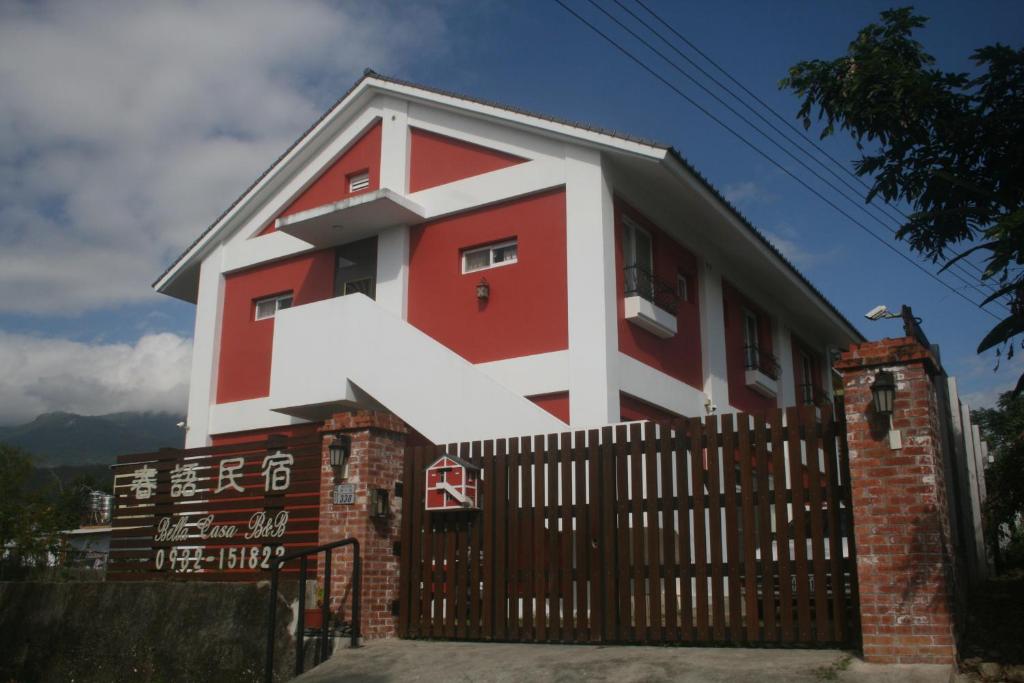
(751, 338)
(491, 256)
(807, 386)
(268, 307)
(637, 247)
(683, 287)
(358, 181)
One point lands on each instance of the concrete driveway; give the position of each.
(441, 661)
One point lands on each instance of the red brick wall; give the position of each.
(378, 449)
(900, 511)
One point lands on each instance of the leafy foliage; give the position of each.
(31, 520)
(1003, 428)
(951, 145)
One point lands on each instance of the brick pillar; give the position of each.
(900, 512)
(378, 449)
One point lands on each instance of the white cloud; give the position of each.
(45, 374)
(126, 128)
(746, 193)
(798, 255)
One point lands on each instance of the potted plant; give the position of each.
(313, 616)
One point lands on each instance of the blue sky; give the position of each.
(126, 128)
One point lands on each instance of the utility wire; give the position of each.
(802, 134)
(859, 204)
(768, 158)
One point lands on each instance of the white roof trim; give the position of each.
(372, 82)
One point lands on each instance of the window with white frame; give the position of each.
(490, 256)
(637, 246)
(358, 181)
(683, 287)
(751, 339)
(268, 307)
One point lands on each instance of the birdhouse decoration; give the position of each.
(452, 484)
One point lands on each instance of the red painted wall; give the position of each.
(437, 159)
(740, 396)
(332, 184)
(632, 408)
(557, 404)
(527, 312)
(677, 356)
(245, 343)
(261, 434)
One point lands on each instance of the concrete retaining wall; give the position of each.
(153, 631)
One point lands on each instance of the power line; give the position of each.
(802, 135)
(860, 205)
(768, 158)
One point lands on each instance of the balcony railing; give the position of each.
(758, 359)
(642, 283)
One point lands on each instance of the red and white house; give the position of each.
(482, 272)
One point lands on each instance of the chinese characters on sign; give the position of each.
(202, 542)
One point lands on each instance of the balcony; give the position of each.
(650, 303)
(762, 371)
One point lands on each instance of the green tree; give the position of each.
(951, 145)
(31, 521)
(1003, 428)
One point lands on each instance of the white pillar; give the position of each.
(202, 388)
(393, 270)
(593, 334)
(712, 335)
(783, 346)
(394, 145)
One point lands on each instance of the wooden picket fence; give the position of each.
(648, 532)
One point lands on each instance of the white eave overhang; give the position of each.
(352, 218)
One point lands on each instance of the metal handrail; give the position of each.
(642, 283)
(755, 358)
(302, 556)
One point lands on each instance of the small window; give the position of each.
(751, 339)
(358, 181)
(491, 256)
(683, 288)
(268, 308)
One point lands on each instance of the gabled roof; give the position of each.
(582, 131)
(457, 460)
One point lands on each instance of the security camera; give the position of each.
(877, 313)
(182, 425)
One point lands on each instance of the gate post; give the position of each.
(375, 463)
(901, 514)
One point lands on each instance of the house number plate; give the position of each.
(344, 494)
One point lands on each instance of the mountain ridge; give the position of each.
(63, 438)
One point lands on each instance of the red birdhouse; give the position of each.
(452, 484)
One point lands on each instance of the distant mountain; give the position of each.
(69, 439)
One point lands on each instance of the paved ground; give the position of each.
(437, 662)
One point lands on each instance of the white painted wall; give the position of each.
(712, 335)
(593, 331)
(437, 392)
(202, 389)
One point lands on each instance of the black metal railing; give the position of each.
(303, 557)
(642, 283)
(757, 358)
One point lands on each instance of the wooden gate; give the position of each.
(647, 532)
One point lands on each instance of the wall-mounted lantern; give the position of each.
(883, 396)
(883, 392)
(380, 504)
(483, 289)
(339, 451)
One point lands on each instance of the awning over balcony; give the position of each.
(352, 218)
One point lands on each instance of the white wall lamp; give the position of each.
(883, 396)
